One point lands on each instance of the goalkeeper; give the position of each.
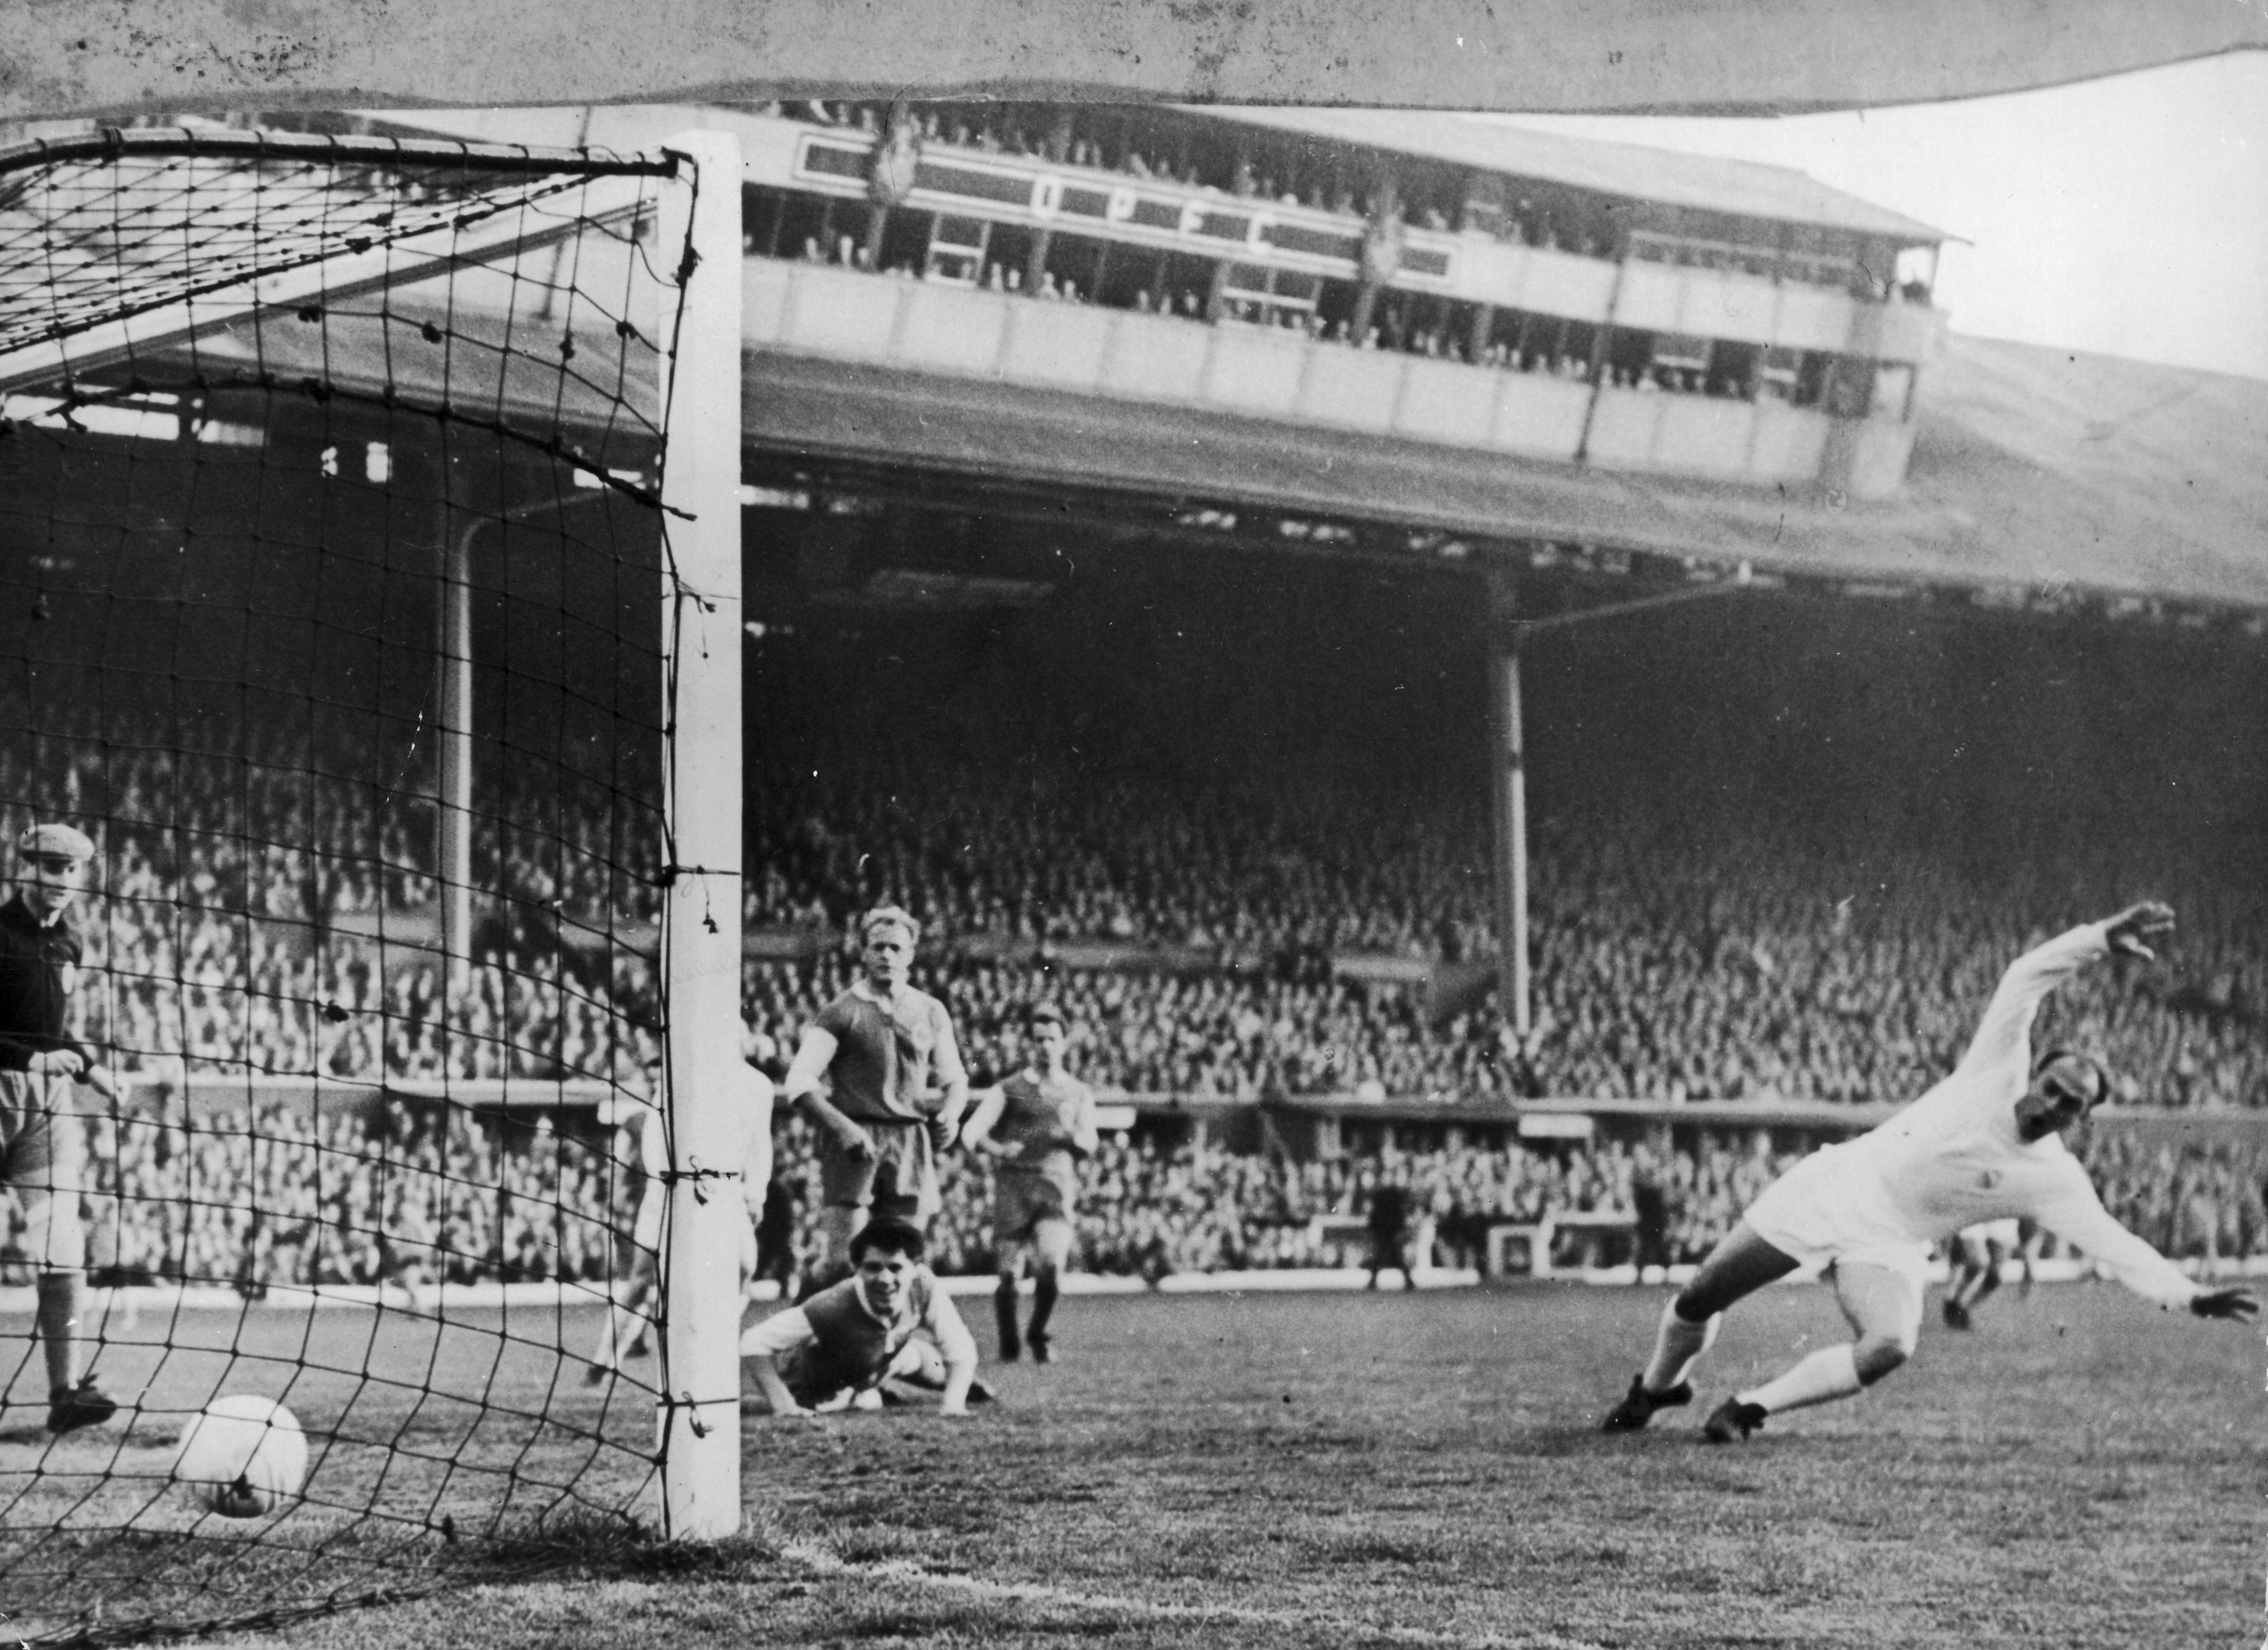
(42, 1142)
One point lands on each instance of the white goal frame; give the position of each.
(694, 179)
(701, 945)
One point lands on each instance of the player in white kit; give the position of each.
(1984, 1144)
(751, 1097)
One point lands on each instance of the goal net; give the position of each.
(369, 585)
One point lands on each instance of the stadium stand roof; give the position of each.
(2036, 473)
(1741, 187)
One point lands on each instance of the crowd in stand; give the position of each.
(267, 1197)
(269, 1194)
(1206, 936)
(1441, 201)
(1669, 964)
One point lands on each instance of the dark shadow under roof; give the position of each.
(2034, 471)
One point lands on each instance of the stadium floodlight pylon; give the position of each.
(339, 478)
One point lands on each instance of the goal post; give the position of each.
(700, 1401)
(370, 604)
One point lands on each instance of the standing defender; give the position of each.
(1984, 1144)
(42, 1141)
(1038, 1124)
(879, 1044)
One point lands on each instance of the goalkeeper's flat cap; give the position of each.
(54, 842)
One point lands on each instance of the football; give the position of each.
(243, 1457)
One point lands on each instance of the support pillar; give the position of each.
(452, 859)
(1509, 796)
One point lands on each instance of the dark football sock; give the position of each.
(1044, 1291)
(1004, 1314)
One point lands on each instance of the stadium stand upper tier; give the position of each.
(1443, 323)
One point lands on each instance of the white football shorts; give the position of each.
(1821, 1212)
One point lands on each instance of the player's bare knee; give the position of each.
(54, 1237)
(1878, 1354)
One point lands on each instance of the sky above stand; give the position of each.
(2122, 217)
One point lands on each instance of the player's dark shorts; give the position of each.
(903, 1148)
(1022, 1199)
(810, 1378)
(43, 1145)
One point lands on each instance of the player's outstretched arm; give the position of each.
(1085, 1137)
(2134, 929)
(813, 1056)
(959, 1349)
(976, 1133)
(761, 1346)
(2226, 1303)
(2075, 1214)
(2004, 1032)
(952, 1083)
(765, 1372)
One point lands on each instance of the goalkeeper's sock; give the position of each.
(60, 1296)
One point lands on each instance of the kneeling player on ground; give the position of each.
(1035, 1125)
(847, 1339)
(1984, 1144)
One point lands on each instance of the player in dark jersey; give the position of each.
(43, 1141)
(1036, 1124)
(846, 1340)
(1387, 1223)
(880, 1073)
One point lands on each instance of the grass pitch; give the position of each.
(1293, 1470)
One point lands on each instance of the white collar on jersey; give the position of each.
(860, 988)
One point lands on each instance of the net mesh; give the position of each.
(330, 585)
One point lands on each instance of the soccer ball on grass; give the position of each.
(243, 1457)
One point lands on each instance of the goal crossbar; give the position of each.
(390, 243)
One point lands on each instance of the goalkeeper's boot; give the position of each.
(1043, 1345)
(1637, 1405)
(1957, 1314)
(1732, 1421)
(86, 1405)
